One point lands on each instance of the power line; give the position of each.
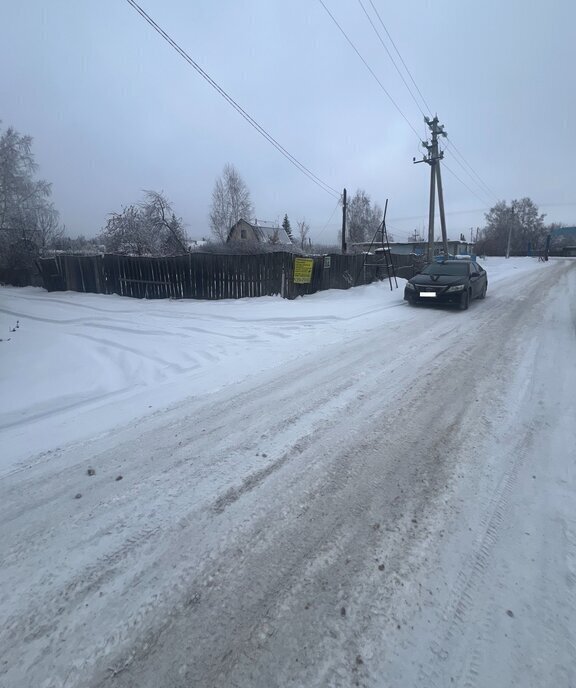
(329, 221)
(473, 176)
(390, 56)
(399, 232)
(427, 107)
(253, 123)
(482, 200)
(450, 212)
(478, 180)
(451, 148)
(482, 186)
(478, 177)
(367, 67)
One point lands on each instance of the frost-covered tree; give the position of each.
(157, 212)
(149, 228)
(230, 202)
(28, 219)
(522, 218)
(363, 218)
(79, 245)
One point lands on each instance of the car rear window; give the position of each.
(446, 269)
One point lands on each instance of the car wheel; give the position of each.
(464, 301)
(411, 301)
(483, 292)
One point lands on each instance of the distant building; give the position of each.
(254, 233)
(196, 243)
(405, 248)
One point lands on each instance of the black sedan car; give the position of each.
(451, 281)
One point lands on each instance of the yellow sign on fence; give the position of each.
(303, 270)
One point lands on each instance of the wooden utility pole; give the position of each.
(433, 159)
(510, 223)
(441, 207)
(430, 250)
(344, 222)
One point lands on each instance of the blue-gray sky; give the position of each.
(114, 110)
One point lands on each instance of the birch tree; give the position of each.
(230, 202)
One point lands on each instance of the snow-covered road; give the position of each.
(353, 492)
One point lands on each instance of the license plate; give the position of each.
(429, 294)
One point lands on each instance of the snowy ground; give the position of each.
(338, 490)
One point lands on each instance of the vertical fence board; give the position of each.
(208, 275)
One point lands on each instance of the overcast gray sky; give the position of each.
(114, 110)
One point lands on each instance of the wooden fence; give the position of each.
(203, 275)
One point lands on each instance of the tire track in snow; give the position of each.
(235, 661)
(467, 627)
(105, 568)
(327, 501)
(457, 616)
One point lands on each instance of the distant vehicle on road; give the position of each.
(454, 282)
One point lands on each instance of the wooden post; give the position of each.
(510, 222)
(344, 222)
(433, 159)
(441, 208)
(430, 252)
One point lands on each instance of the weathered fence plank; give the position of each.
(206, 275)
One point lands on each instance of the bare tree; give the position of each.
(521, 218)
(303, 229)
(157, 211)
(148, 229)
(127, 234)
(48, 227)
(230, 202)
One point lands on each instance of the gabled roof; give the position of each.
(266, 234)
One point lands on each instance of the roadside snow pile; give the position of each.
(81, 364)
(499, 269)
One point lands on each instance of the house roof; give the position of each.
(271, 233)
(267, 234)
